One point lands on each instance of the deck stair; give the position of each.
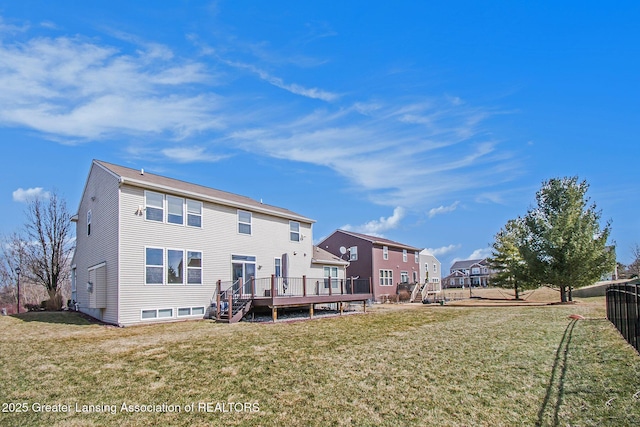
(239, 309)
(416, 295)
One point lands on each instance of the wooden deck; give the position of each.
(277, 292)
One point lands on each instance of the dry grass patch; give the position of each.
(414, 366)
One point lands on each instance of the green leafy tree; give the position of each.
(510, 269)
(564, 245)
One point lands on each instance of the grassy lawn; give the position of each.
(398, 365)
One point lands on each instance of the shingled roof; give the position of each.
(380, 241)
(140, 178)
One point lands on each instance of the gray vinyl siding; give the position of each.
(218, 239)
(102, 245)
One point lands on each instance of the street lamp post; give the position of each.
(18, 273)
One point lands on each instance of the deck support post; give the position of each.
(274, 313)
(230, 312)
(304, 285)
(341, 307)
(273, 286)
(364, 306)
(311, 311)
(253, 287)
(218, 300)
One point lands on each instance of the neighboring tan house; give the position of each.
(466, 273)
(430, 271)
(152, 248)
(386, 262)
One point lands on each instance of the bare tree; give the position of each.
(48, 249)
(634, 267)
(12, 256)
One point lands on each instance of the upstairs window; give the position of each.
(417, 257)
(194, 213)
(404, 255)
(89, 222)
(353, 253)
(175, 210)
(385, 252)
(294, 231)
(244, 222)
(435, 267)
(154, 204)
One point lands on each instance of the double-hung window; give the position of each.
(154, 206)
(416, 257)
(353, 253)
(175, 210)
(385, 252)
(89, 222)
(244, 222)
(194, 213)
(294, 231)
(404, 255)
(154, 266)
(194, 268)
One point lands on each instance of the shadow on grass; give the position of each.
(560, 363)
(57, 317)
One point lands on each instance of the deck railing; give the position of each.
(623, 310)
(233, 294)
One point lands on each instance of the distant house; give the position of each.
(152, 248)
(466, 273)
(430, 271)
(386, 262)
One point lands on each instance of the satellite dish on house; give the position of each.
(343, 250)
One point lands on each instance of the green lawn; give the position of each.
(418, 365)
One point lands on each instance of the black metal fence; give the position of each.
(623, 310)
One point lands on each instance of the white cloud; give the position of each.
(190, 154)
(443, 209)
(294, 88)
(76, 88)
(376, 227)
(23, 196)
(443, 250)
(480, 253)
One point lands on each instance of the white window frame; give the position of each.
(173, 199)
(277, 267)
(475, 270)
(154, 265)
(166, 269)
(191, 213)
(435, 267)
(89, 215)
(332, 277)
(404, 277)
(294, 236)
(416, 257)
(245, 223)
(147, 206)
(386, 277)
(385, 252)
(186, 258)
(191, 311)
(404, 255)
(353, 253)
(156, 312)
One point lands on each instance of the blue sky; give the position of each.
(429, 123)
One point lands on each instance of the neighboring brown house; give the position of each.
(386, 262)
